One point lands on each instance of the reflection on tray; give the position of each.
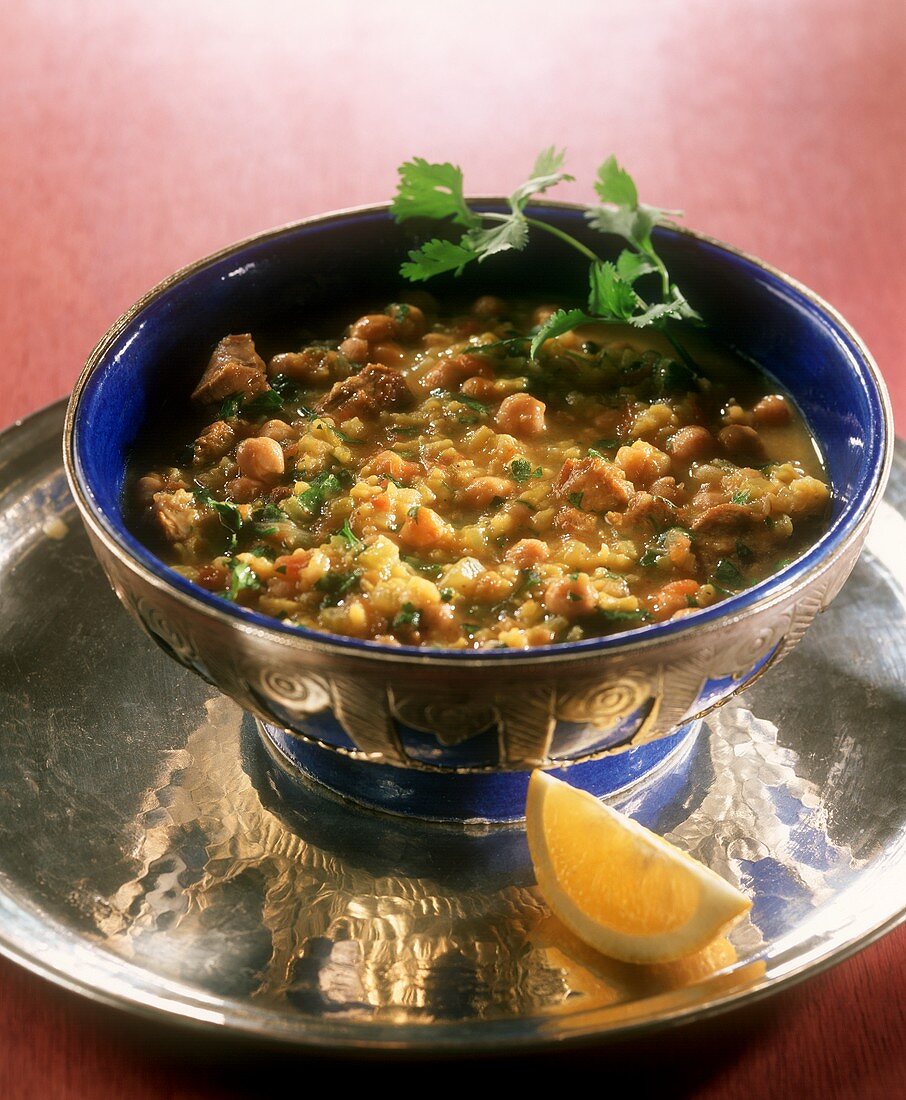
(331, 909)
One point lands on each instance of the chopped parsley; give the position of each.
(742, 497)
(242, 577)
(286, 387)
(263, 404)
(521, 469)
(408, 616)
(228, 513)
(336, 584)
(428, 568)
(352, 539)
(728, 574)
(575, 499)
(230, 406)
(322, 487)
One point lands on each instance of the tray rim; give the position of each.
(176, 1004)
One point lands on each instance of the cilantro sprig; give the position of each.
(435, 191)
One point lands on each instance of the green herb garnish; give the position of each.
(352, 539)
(521, 469)
(435, 191)
(742, 497)
(263, 404)
(727, 573)
(230, 406)
(429, 568)
(242, 576)
(323, 486)
(408, 616)
(228, 514)
(575, 499)
(336, 584)
(286, 387)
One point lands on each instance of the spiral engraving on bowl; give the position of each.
(450, 718)
(295, 693)
(603, 704)
(163, 630)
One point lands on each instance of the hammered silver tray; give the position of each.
(150, 858)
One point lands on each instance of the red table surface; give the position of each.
(137, 137)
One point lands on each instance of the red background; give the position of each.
(137, 137)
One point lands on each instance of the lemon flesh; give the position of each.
(618, 886)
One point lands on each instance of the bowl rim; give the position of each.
(777, 588)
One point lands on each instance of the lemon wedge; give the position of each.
(616, 885)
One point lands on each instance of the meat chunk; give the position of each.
(310, 367)
(213, 443)
(235, 367)
(593, 484)
(177, 515)
(368, 393)
(644, 508)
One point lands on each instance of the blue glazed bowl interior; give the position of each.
(321, 275)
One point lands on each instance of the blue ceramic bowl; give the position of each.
(452, 734)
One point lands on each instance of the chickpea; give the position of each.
(488, 306)
(772, 410)
(260, 458)
(521, 415)
(542, 314)
(410, 322)
(691, 444)
(570, 597)
(425, 529)
(147, 486)
(374, 327)
(484, 490)
(441, 618)
(437, 340)
(355, 349)
(448, 373)
(390, 464)
(527, 552)
(482, 388)
(643, 462)
(243, 490)
(279, 430)
(389, 353)
(740, 439)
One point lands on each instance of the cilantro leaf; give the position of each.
(335, 584)
(609, 296)
(436, 191)
(228, 514)
(323, 486)
(614, 184)
(545, 174)
(242, 577)
(521, 469)
(407, 616)
(632, 266)
(431, 191)
(562, 321)
(434, 258)
(352, 539)
(230, 406)
(507, 234)
(263, 403)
